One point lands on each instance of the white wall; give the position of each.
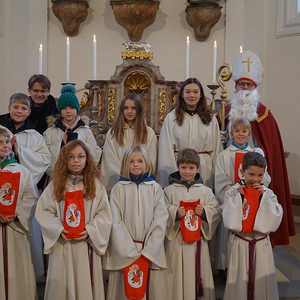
(252, 24)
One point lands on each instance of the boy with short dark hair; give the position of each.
(227, 172)
(251, 211)
(183, 193)
(17, 203)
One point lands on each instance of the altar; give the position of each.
(137, 74)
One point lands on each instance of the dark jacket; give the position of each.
(39, 113)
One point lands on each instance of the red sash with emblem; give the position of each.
(250, 208)
(9, 184)
(135, 278)
(74, 214)
(238, 166)
(190, 224)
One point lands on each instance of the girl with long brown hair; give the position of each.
(191, 124)
(75, 218)
(129, 129)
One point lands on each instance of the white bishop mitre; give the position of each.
(248, 66)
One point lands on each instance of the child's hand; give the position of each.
(241, 189)
(83, 237)
(257, 186)
(180, 212)
(7, 219)
(65, 138)
(199, 210)
(14, 144)
(63, 235)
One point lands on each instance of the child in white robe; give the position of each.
(250, 266)
(31, 151)
(191, 124)
(183, 259)
(129, 129)
(68, 126)
(139, 223)
(75, 268)
(16, 269)
(225, 176)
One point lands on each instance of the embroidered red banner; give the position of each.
(9, 184)
(250, 208)
(135, 278)
(74, 214)
(238, 166)
(190, 224)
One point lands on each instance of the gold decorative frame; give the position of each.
(111, 106)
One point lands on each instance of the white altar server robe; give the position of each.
(224, 179)
(69, 271)
(139, 213)
(267, 220)
(191, 134)
(181, 256)
(113, 154)
(21, 278)
(54, 136)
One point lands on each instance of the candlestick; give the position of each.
(95, 57)
(41, 59)
(68, 59)
(215, 63)
(187, 67)
(241, 49)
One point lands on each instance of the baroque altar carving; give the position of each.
(136, 74)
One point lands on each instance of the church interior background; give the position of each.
(269, 28)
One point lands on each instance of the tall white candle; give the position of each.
(241, 49)
(187, 67)
(68, 59)
(41, 59)
(215, 63)
(95, 57)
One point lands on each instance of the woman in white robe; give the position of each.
(190, 125)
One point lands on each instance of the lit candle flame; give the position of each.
(241, 49)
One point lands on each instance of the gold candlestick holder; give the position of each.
(224, 74)
(213, 88)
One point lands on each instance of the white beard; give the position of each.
(244, 105)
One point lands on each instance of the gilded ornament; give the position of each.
(84, 99)
(173, 100)
(138, 55)
(137, 82)
(111, 106)
(99, 105)
(163, 106)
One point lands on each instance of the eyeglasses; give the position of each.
(249, 84)
(79, 157)
(40, 91)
